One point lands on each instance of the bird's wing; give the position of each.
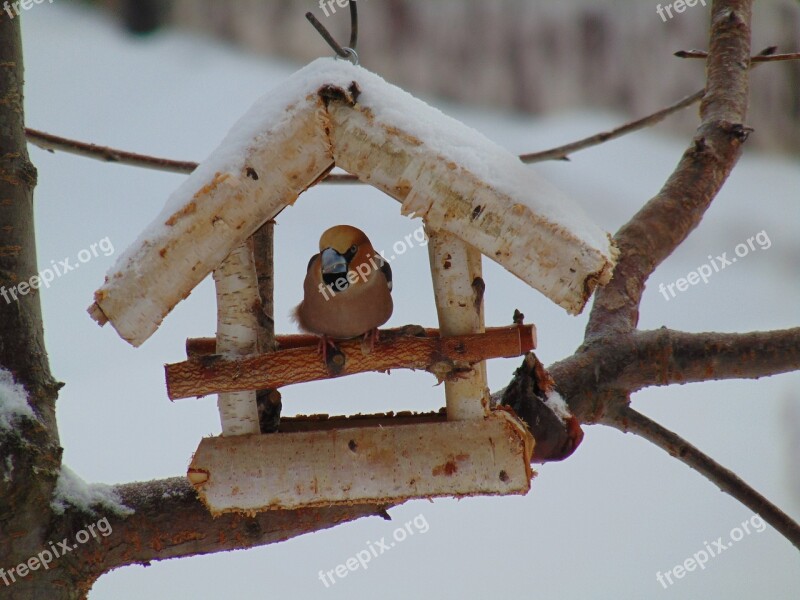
(386, 269)
(311, 262)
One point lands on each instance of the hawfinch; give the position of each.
(347, 290)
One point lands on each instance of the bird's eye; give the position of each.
(351, 252)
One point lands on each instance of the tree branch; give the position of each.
(22, 349)
(563, 152)
(666, 220)
(170, 522)
(31, 454)
(628, 420)
(625, 363)
(763, 57)
(51, 143)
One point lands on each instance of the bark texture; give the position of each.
(445, 357)
(615, 360)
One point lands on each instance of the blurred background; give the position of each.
(170, 79)
(522, 55)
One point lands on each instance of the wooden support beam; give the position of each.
(444, 357)
(237, 333)
(458, 289)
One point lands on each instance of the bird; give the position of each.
(347, 289)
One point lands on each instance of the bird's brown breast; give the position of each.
(361, 307)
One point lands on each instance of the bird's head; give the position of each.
(343, 248)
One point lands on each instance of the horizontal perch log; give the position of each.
(204, 346)
(444, 357)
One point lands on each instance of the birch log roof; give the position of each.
(332, 113)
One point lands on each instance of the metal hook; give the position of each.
(352, 56)
(348, 53)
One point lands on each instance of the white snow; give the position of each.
(71, 490)
(558, 405)
(13, 401)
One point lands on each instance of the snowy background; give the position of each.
(599, 525)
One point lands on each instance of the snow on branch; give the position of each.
(72, 491)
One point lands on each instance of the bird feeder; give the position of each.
(475, 199)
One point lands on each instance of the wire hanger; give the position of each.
(349, 51)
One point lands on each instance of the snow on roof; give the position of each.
(294, 134)
(394, 108)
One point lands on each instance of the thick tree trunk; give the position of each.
(30, 455)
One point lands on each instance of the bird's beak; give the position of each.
(333, 263)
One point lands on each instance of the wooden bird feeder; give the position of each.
(476, 200)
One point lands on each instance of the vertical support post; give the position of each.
(458, 290)
(237, 333)
(269, 400)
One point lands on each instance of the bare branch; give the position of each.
(629, 362)
(666, 220)
(758, 58)
(563, 152)
(628, 420)
(51, 143)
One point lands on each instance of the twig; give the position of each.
(326, 35)
(758, 58)
(628, 420)
(51, 143)
(664, 222)
(563, 152)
